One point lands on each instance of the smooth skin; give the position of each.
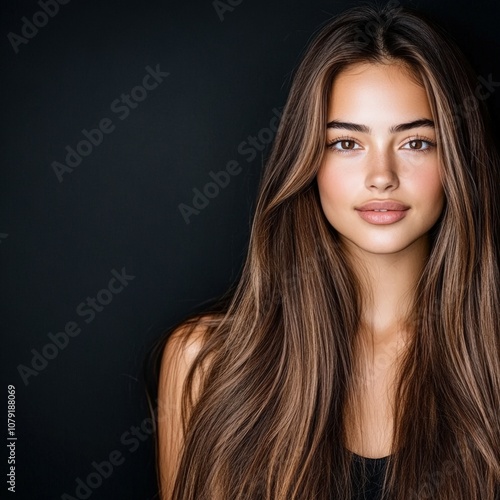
(179, 354)
(390, 153)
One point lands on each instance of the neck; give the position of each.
(388, 284)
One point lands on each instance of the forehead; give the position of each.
(375, 92)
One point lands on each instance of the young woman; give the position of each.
(359, 353)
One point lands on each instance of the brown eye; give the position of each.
(347, 144)
(343, 145)
(419, 145)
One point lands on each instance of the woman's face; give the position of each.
(381, 148)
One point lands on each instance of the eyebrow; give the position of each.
(355, 127)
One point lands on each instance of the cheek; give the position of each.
(428, 186)
(336, 186)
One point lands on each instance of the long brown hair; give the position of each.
(270, 419)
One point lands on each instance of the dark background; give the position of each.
(59, 241)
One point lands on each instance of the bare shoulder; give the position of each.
(184, 345)
(179, 354)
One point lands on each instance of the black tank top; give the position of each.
(375, 469)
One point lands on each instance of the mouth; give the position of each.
(382, 215)
(382, 211)
(383, 205)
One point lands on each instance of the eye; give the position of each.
(419, 144)
(343, 145)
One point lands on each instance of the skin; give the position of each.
(380, 164)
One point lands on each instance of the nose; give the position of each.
(381, 173)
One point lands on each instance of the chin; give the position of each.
(385, 249)
(379, 246)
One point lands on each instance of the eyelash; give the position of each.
(431, 144)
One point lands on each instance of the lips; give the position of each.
(383, 205)
(382, 211)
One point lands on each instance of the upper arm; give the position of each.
(179, 353)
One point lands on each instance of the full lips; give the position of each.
(388, 217)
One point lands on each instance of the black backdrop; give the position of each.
(99, 250)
